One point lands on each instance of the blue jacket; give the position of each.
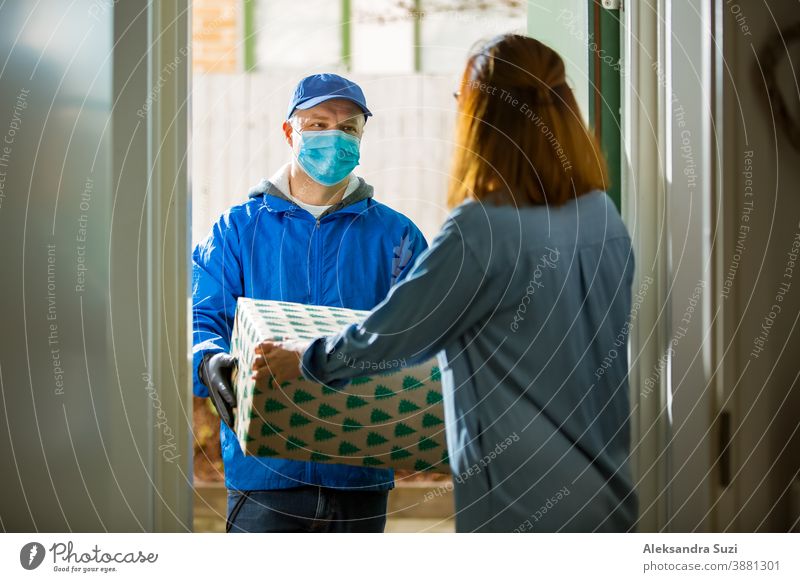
(270, 248)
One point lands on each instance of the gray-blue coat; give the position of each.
(527, 309)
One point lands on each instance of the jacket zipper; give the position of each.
(313, 476)
(318, 269)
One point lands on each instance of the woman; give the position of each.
(524, 295)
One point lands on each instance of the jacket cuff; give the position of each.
(198, 387)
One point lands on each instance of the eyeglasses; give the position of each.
(312, 125)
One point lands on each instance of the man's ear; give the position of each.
(287, 132)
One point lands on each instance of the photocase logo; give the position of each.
(31, 555)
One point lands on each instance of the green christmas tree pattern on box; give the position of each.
(387, 420)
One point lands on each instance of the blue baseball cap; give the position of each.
(315, 89)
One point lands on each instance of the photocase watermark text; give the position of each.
(169, 447)
(546, 261)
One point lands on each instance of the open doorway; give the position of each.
(248, 56)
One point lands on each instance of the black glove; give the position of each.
(215, 371)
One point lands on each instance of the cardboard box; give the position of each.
(385, 420)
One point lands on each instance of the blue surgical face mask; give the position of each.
(327, 156)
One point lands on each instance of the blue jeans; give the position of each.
(309, 508)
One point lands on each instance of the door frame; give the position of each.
(168, 212)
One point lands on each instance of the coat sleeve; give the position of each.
(446, 292)
(216, 285)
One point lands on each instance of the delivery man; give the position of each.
(311, 234)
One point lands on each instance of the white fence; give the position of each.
(237, 140)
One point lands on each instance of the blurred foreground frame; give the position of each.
(96, 400)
